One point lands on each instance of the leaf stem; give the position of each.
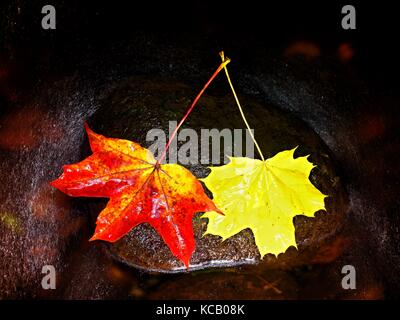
(171, 138)
(222, 55)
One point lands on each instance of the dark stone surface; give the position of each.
(140, 104)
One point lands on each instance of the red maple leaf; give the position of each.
(140, 189)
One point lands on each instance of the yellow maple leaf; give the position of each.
(263, 196)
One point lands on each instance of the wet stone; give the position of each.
(139, 104)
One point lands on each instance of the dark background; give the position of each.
(98, 39)
(87, 26)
